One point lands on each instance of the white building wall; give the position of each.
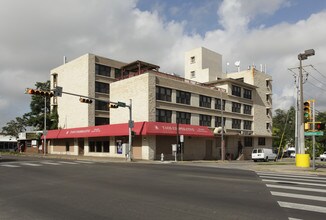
(206, 64)
(74, 77)
(137, 89)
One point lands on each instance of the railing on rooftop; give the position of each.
(179, 78)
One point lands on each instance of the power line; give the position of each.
(318, 71)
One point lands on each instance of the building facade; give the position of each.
(163, 105)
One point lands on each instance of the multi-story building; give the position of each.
(200, 106)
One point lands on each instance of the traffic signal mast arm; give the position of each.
(58, 91)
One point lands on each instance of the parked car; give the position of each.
(263, 154)
(323, 156)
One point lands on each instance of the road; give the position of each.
(34, 188)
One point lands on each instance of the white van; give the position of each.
(264, 154)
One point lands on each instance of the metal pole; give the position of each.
(301, 144)
(130, 127)
(44, 132)
(222, 134)
(313, 137)
(296, 119)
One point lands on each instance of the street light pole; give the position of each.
(44, 132)
(302, 159)
(131, 125)
(222, 134)
(301, 144)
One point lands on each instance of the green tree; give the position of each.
(14, 127)
(284, 128)
(37, 105)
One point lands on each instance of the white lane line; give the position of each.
(297, 188)
(297, 179)
(66, 162)
(289, 175)
(50, 163)
(295, 218)
(9, 165)
(31, 164)
(299, 196)
(292, 182)
(311, 208)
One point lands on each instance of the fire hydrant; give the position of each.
(162, 157)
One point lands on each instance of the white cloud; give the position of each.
(32, 42)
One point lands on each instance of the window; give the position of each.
(248, 141)
(268, 112)
(247, 109)
(261, 141)
(183, 97)
(163, 115)
(218, 104)
(102, 87)
(117, 73)
(99, 146)
(205, 120)
(236, 123)
(268, 126)
(102, 106)
(163, 94)
(236, 107)
(268, 98)
(193, 59)
(218, 121)
(67, 146)
(247, 93)
(102, 121)
(102, 70)
(205, 101)
(236, 90)
(247, 125)
(183, 117)
(192, 74)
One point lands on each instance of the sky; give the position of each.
(35, 35)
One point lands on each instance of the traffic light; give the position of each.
(307, 110)
(39, 92)
(319, 126)
(112, 105)
(84, 100)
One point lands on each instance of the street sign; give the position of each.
(314, 133)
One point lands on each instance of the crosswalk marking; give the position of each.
(290, 178)
(31, 164)
(66, 162)
(296, 188)
(42, 163)
(287, 175)
(299, 196)
(9, 165)
(50, 163)
(304, 207)
(84, 161)
(286, 187)
(292, 182)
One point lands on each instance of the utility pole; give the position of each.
(302, 159)
(45, 131)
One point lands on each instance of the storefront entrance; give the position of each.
(81, 146)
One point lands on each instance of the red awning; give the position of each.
(160, 128)
(95, 131)
(140, 128)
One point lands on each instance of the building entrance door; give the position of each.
(209, 150)
(80, 146)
